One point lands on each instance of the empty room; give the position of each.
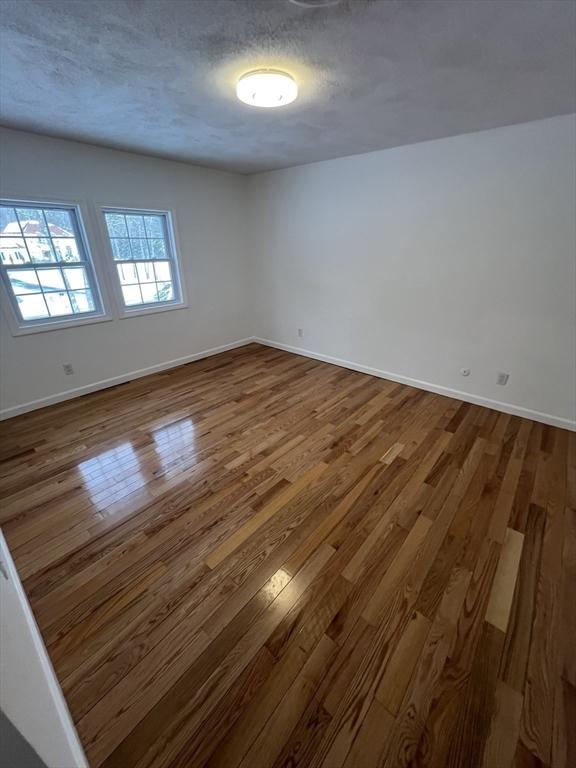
(288, 383)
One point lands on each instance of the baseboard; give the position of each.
(514, 410)
(69, 394)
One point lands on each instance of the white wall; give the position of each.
(208, 208)
(420, 260)
(414, 262)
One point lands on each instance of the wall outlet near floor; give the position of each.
(464, 371)
(502, 379)
(300, 332)
(68, 369)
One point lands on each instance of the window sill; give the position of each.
(151, 310)
(26, 330)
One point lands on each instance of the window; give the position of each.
(45, 266)
(144, 256)
(48, 278)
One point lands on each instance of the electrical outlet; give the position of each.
(502, 379)
(300, 333)
(464, 371)
(68, 370)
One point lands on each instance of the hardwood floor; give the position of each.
(262, 560)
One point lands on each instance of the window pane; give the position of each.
(154, 226)
(165, 292)
(32, 222)
(82, 301)
(51, 279)
(13, 251)
(8, 219)
(48, 242)
(32, 307)
(121, 248)
(58, 304)
(158, 249)
(40, 249)
(116, 225)
(132, 294)
(140, 238)
(76, 278)
(146, 272)
(66, 249)
(59, 222)
(139, 249)
(162, 269)
(127, 273)
(24, 281)
(149, 292)
(135, 226)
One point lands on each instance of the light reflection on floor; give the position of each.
(112, 475)
(118, 472)
(175, 444)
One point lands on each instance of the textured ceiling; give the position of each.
(158, 76)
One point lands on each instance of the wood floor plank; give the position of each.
(567, 629)
(174, 718)
(404, 744)
(247, 687)
(303, 742)
(564, 740)
(264, 514)
(519, 634)
(502, 593)
(370, 743)
(500, 746)
(259, 559)
(285, 717)
(396, 678)
(463, 740)
(544, 661)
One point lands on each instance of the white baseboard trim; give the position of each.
(69, 394)
(514, 410)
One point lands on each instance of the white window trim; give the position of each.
(122, 310)
(10, 311)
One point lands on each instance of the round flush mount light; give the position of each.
(267, 88)
(314, 3)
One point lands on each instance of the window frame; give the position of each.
(20, 327)
(124, 311)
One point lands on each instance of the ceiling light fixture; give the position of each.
(314, 3)
(267, 88)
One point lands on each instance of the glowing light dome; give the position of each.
(267, 88)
